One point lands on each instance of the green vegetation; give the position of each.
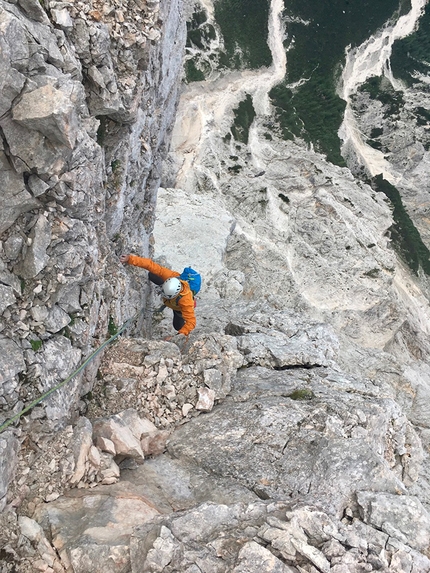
(406, 238)
(244, 27)
(373, 273)
(318, 33)
(36, 345)
(115, 165)
(313, 113)
(380, 88)
(412, 54)
(244, 115)
(423, 116)
(112, 328)
(192, 73)
(200, 33)
(234, 169)
(303, 394)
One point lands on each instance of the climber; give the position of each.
(177, 293)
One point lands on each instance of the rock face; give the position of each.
(80, 145)
(290, 432)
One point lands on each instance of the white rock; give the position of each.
(105, 445)
(206, 399)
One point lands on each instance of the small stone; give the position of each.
(105, 445)
(186, 408)
(206, 399)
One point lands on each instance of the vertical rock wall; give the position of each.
(87, 97)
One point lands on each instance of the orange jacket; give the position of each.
(183, 303)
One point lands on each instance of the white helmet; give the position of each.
(171, 287)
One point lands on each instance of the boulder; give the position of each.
(91, 531)
(401, 516)
(253, 558)
(36, 256)
(50, 111)
(114, 429)
(34, 10)
(81, 444)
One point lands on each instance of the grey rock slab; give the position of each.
(162, 551)
(173, 484)
(10, 279)
(34, 10)
(56, 319)
(15, 198)
(280, 447)
(7, 298)
(253, 558)
(11, 360)
(9, 447)
(400, 516)
(36, 256)
(58, 361)
(31, 149)
(37, 185)
(68, 297)
(12, 86)
(12, 246)
(138, 426)
(15, 52)
(49, 111)
(62, 18)
(82, 442)
(277, 349)
(91, 531)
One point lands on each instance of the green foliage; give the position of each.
(313, 113)
(192, 74)
(373, 273)
(423, 116)
(244, 26)
(244, 115)
(234, 169)
(284, 198)
(405, 236)
(115, 165)
(303, 394)
(112, 328)
(318, 31)
(412, 54)
(374, 144)
(36, 344)
(380, 88)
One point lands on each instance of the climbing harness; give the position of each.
(7, 423)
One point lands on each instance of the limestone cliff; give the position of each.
(88, 96)
(290, 433)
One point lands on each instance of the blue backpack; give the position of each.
(193, 278)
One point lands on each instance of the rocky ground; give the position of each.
(213, 450)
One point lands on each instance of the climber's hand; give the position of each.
(124, 259)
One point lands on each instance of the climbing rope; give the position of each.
(75, 373)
